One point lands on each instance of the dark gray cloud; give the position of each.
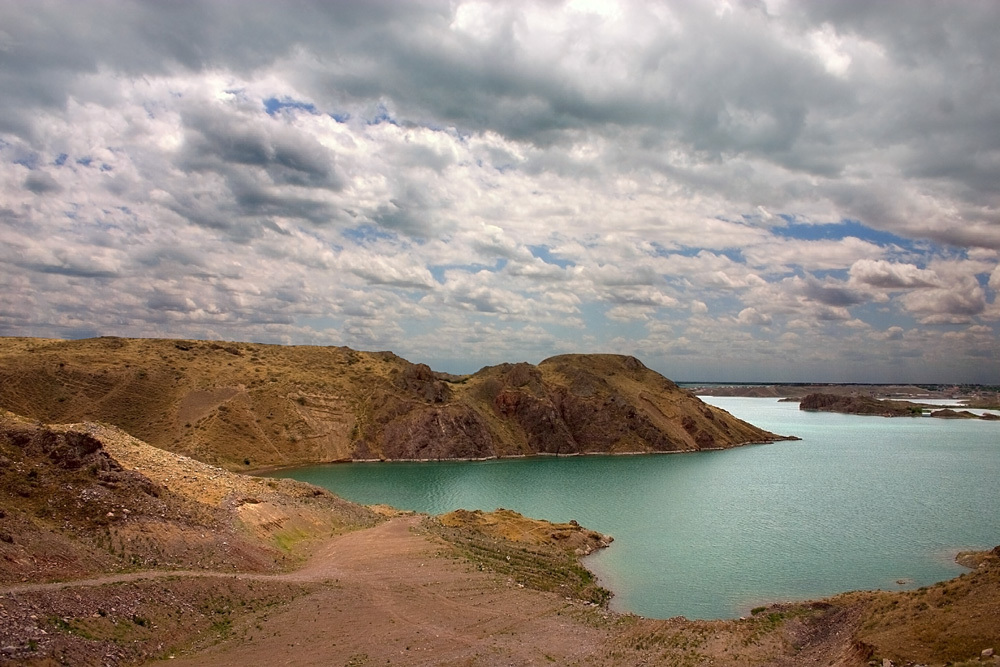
(828, 295)
(42, 183)
(769, 98)
(267, 169)
(215, 142)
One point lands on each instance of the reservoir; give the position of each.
(858, 503)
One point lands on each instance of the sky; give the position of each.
(744, 191)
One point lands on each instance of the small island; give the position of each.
(864, 405)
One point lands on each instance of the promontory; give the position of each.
(247, 405)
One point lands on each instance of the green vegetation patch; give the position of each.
(541, 567)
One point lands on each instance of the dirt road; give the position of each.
(393, 598)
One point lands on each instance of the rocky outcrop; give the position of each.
(70, 451)
(859, 405)
(452, 431)
(84, 498)
(948, 413)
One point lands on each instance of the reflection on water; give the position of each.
(859, 502)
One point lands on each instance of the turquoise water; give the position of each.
(858, 503)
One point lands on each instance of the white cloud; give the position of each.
(887, 275)
(957, 304)
(811, 255)
(995, 279)
(753, 316)
(387, 270)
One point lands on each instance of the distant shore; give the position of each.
(968, 396)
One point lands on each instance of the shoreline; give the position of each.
(267, 470)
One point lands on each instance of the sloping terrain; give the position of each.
(146, 533)
(83, 499)
(248, 406)
(113, 552)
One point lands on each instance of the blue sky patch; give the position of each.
(838, 231)
(273, 105)
(367, 234)
(836, 274)
(382, 115)
(438, 270)
(543, 253)
(29, 161)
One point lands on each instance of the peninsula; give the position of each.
(246, 406)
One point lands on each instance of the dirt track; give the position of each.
(392, 597)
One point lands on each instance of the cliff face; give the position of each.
(246, 405)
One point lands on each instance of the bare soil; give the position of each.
(392, 594)
(391, 598)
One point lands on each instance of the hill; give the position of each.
(251, 406)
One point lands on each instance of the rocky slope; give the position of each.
(248, 406)
(150, 531)
(84, 499)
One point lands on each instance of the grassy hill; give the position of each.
(248, 406)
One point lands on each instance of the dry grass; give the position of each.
(949, 622)
(535, 553)
(239, 405)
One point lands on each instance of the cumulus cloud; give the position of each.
(830, 294)
(812, 255)
(957, 304)
(530, 178)
(995, 279)
(385, 270)
(887, 275)
(753, 316)
(892, 333)
(41, 183)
